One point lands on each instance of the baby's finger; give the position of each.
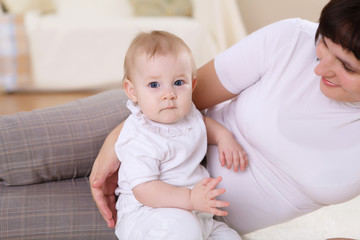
(219, 204)
(236, 162)
(218, 212)
(205, 181)
(215, 193)
(222, 158)
(229, 159)
(213, 183)
(243, 161)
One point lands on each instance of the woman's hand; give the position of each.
(103, 184)
(203, 197)
(104, 176)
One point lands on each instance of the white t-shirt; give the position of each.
(303, 148)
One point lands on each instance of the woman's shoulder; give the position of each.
(294, 22)
(292, 26)
(284, 35)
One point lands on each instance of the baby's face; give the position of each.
(162, 86)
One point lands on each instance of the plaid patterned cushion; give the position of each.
(56, 210)
(60, 142)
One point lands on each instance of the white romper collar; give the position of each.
(180, 128)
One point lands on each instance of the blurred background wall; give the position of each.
(258, 13)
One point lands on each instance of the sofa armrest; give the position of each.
(60, 142)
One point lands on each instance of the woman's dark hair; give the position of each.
(340, 22)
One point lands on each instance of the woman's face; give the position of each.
(339, 71)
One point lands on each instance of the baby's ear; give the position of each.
(194, 83)
(130, 90)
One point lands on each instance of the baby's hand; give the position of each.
(232, 154)
(203, 197)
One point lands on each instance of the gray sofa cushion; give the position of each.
(56, 143)
(60, 142)
(54, 210)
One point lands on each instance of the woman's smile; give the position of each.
(329, 83)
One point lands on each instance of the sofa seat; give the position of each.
(53, 210)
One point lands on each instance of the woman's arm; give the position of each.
(103, 178)
(201, 198)
(209, 91)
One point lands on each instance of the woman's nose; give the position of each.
(325, 67)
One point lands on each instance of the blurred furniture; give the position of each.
(28, 101)
(81, 44)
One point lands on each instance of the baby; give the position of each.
(164, 191)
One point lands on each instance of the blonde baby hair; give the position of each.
(152, 44)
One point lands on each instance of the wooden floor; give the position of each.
(16, 102)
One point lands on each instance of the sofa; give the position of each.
(45, 160)
(81, 44)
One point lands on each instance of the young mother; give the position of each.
(294, 105)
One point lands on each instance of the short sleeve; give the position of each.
(244, 63)
(140, 161)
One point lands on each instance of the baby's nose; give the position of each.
(169, 95)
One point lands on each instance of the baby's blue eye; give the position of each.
(154, 84)
(179, 82)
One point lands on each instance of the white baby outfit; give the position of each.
(170, 153)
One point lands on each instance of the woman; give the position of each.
(294, 105)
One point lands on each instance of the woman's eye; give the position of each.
(347, 68)
(179, 82)
(154, 84)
